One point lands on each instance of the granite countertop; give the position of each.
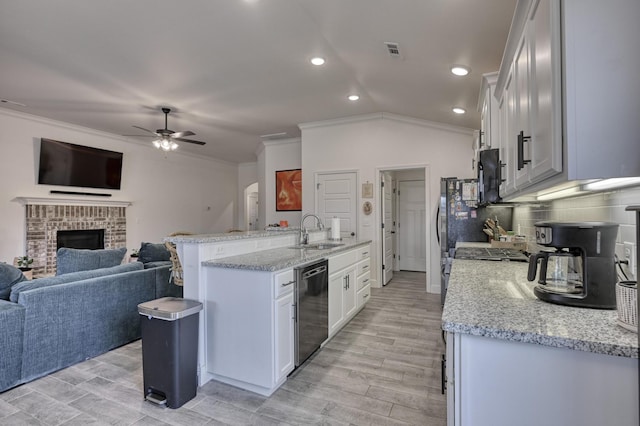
(230, 236)
(494, 299)
(281, 258)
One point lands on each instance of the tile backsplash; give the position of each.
(602, 206)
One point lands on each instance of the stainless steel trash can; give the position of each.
(170, 350)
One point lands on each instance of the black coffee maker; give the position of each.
(581, 271)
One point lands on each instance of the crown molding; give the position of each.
(386, 116)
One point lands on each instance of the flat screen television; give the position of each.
(67, 164)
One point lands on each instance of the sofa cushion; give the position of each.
(71, 277)
(157, 264)
(152, 252)
(74, 260)
(9, 276)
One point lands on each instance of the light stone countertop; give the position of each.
(281, 258)
(494, 299)
(230, 236)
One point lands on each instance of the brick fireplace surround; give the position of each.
(44, 219)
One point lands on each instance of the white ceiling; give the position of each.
(236, 69)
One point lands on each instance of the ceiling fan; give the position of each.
(168, 137)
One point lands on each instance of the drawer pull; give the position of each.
(365, 266)
(288, 284)
(366, 281)
(365, 254)
(365, 296)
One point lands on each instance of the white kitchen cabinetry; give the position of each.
(570, 90)
(498, 382)
(529, 89)
(284, 325)
(488, 108)
(347, 271)
(252, 325)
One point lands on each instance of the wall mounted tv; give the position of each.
(66, 164)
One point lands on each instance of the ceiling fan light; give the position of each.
(173, 146)
(156, 143)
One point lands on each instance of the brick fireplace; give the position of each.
(45, 219)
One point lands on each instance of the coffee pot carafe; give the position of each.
(581, 270)
(560, 271)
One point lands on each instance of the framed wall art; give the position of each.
(289, 190)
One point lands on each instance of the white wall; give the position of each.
(385, 141)
(169, 192)
(277, 155)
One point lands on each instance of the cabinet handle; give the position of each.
(366, 281)
(473, 164)
(365, 254)
(365, 296)
(345, 282)
(287, 284)
(443, 369)
(501, 165)
(481, 144)
(365, 267)
(521, 140)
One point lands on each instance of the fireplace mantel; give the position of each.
(42, 201)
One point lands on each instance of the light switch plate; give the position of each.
(630, 255)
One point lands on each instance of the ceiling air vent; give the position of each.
(393, 49)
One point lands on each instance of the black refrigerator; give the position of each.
(461, 219)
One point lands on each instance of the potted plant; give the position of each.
(24, 264)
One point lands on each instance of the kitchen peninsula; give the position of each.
(513, 359)
(245, 281)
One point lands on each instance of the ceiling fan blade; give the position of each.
(182, 134)
(189, 141)
(146, 130)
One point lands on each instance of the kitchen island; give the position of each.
(513, 359)
(245, 281)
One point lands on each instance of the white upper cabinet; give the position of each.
(567, 93)
(488, 108)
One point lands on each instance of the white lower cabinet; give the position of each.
(349, 286)
(342, 298)
(284, 336)
(250, 328)
(498, 382)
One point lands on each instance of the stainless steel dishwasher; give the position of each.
(312, 308)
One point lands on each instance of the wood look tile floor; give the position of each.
(383, 368)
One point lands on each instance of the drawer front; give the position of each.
(363, 296)
(363, 266)
(364, 252)
(342, 260)
(283, 283)
(363, 280)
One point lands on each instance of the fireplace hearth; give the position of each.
(46, 223)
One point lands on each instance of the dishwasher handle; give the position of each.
(313, 272)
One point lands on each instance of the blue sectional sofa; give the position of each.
(51, 323)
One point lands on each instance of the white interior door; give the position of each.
(387, 226)
(337, 196)
(252, 206)
(412, 250)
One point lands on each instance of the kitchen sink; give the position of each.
(317, 246)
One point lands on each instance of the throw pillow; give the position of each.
(150, 252)
(9, 276)
(74, 260)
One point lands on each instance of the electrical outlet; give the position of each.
(630, 256)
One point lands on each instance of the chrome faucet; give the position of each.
(304, 235)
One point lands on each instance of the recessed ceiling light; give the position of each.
(460, 70)
(317, 60)
(458, 110)
(353, 97)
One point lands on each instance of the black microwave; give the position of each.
(489, 176)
